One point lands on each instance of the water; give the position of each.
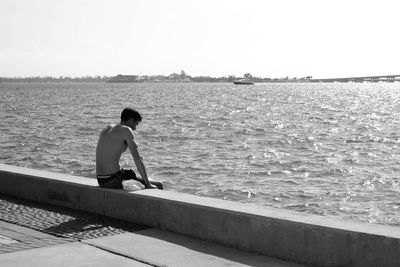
(329, 149)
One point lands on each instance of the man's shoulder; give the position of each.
(118, 130)
(124, 130)
(115, 127)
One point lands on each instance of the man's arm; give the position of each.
(138, 159)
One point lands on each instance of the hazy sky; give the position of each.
(268, 38)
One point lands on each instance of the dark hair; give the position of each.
(129, 113)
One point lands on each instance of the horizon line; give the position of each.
(150, 75)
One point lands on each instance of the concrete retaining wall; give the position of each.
(293, 236)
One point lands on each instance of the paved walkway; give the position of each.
(60, 221)
(14, 238)
(42, 235)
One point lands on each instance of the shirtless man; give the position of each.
(113, 141)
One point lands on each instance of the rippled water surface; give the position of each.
(329, 149)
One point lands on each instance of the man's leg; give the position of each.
(156, 183)
(130, 174)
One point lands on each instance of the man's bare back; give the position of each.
(109, 149)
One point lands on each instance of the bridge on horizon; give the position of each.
(382, 78)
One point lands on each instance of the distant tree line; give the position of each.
(174, 77)
(184, 77)
(56, 79)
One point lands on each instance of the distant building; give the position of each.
(124, 79)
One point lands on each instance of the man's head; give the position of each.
(130, 117)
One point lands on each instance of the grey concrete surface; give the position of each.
(149, 247)
(66, 255)
(60, 221)
(16, 238)
(293, 236)
(160, 248)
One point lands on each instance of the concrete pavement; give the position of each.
(150, 247)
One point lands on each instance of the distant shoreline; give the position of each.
(21, 81)
(54, 79)
(184, 78)
(172, 78)
(44, 80)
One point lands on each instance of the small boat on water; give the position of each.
(243, 82)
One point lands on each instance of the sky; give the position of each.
(267, 38)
